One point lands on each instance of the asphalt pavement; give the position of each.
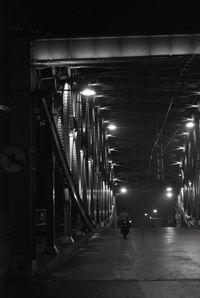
(151, 262)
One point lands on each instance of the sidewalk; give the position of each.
(49, 263)
(46, 263)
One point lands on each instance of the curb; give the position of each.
(67, 254)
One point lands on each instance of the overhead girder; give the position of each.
(103, 48)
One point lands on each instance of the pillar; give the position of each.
(22, 178)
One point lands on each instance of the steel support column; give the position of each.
(22, 190)
(50, 193)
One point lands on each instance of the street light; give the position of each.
(112, 149)
(123, 189)
(155, 211)
(180, 148)
(108, 135)
(169, 189)
(178, 163)
(169, 194)
(88, 92)
(112, 126)
(190, 124)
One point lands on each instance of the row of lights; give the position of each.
(169, 194)
(155, 211)
(112, 127)
(91, 92)
(189, 125)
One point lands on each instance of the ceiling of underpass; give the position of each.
(148, 99)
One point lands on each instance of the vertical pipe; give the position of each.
(51, 246)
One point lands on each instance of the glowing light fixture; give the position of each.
(177, 163)
(123, 189)
(180, 148)
(169, 194)
(112, 127)
(88, 92)
(116, 164)
(117, 179)
(108, 135)
(146, 214)
(194, 106)
(155, 211)
(184, 134)
(190, 124)
(169, 189)
(103, 108)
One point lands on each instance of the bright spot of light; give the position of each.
(190, 124)
(123, 190)
(108, 135)
(88, 92)
(169, 189)
(112, 127)
(169, 194)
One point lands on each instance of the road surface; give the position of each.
(151, 262)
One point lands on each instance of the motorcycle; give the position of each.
(124, 227)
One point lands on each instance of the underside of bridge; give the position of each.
(148, 99)
(147, 85)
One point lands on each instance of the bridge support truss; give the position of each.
(188, 203)
(63, 190)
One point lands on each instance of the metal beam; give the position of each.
(103, 48)
(63, 162)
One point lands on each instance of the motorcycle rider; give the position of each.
(123, 215)
(124, 222)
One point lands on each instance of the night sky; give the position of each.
(101, 18)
